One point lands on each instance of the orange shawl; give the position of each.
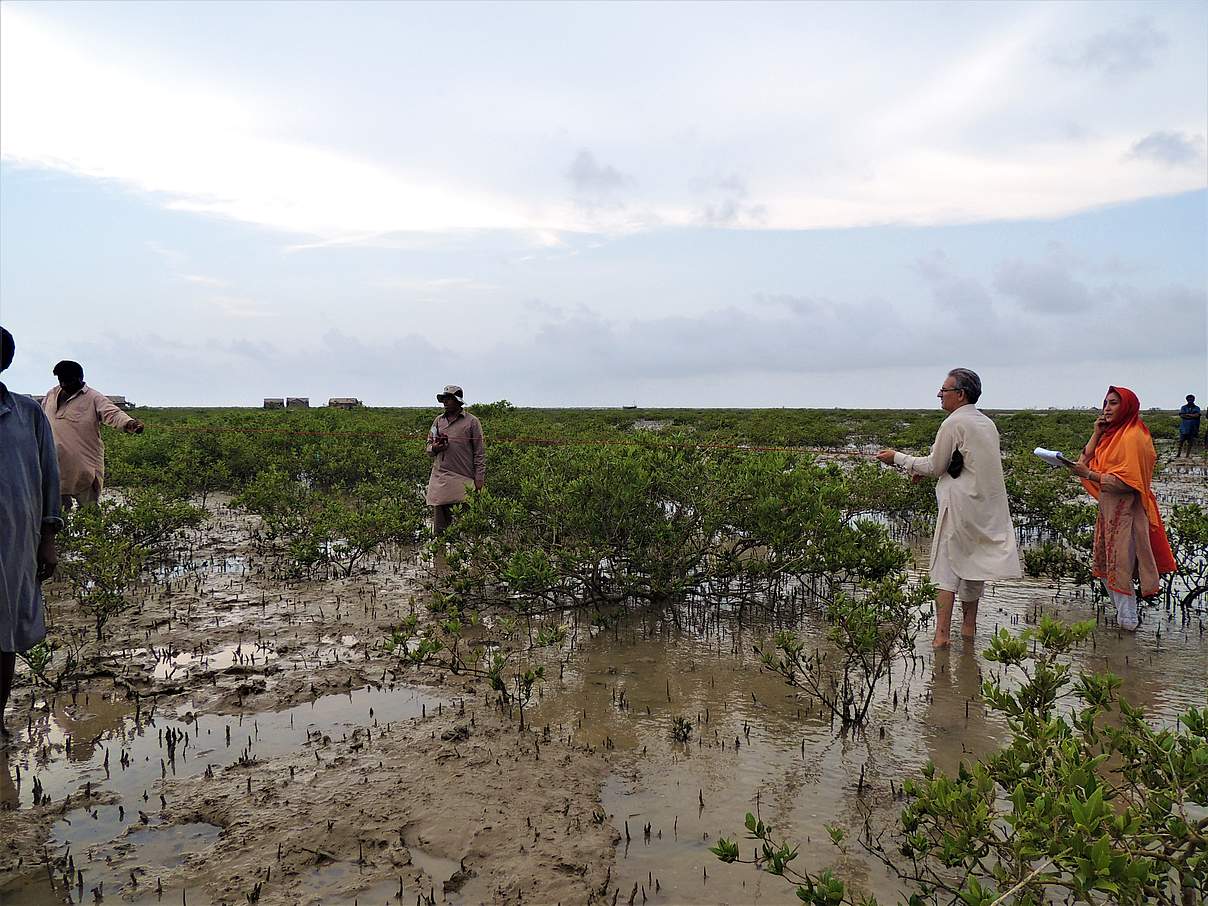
(1126, 451)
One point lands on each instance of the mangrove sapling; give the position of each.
(868, 630)
(56, 661)
(102, 562)
(1188, 531)
(497, 660)
(1079, 807)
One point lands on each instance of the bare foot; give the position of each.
(937, 643)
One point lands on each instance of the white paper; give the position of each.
(1052, 457)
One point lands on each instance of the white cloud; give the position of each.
(202, 279)
(892, 145)
(239, 307)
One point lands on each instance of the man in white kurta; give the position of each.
(974, 539)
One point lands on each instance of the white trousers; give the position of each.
(946, 579)
(1126, 608)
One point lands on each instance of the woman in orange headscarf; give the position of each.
(1116, 467)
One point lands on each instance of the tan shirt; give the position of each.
(974, 518)
(76, 426)
(462, 463)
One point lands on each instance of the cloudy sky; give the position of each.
(597, 204)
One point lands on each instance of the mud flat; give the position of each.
(244, 739)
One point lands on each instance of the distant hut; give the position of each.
(278, 403)
(343, 402)
(121, 402)
(297, 402)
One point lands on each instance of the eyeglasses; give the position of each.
(951, 390)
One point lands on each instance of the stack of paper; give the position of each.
(1052, 457)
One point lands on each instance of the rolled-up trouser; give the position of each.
(946, 579)
(87, 497)
(442, 517)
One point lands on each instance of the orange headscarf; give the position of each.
(1126, 451)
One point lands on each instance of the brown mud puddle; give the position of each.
(757, 745)
(111, 771)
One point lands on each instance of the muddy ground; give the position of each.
(447, 801)
(248, 740)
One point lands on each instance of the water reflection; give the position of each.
(9, 797)
(956, 726)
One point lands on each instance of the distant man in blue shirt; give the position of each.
(1189, 425)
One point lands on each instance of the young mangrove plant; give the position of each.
(1083, 805)
(466, 646)
(867, 632)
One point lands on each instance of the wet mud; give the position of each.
(246, 739)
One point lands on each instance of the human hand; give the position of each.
(479, 485)
(886, 456)
(1100, 425)
(134, 426)
(48, 557)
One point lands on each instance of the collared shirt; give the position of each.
(29, 498)
(77, 429)
(462, 463)
(1189, 425)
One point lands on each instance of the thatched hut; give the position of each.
(343, 402)
(297, 402)
(270, 403)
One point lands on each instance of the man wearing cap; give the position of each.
(76, 411)
(459, 458)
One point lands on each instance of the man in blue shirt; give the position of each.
(29, 519)
(1189, 425)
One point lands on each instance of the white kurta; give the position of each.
(974, 517)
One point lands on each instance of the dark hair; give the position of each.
(8, 348)
(69, 370)
(967, 382)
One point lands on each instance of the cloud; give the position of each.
(1120, 51)
(923, 138)
(202, 279)
(238, 306)
(951, 291)
(1173, 149)
(589, 176)
(1045, 287)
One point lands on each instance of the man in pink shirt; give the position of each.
(459, 459)
(75, 412)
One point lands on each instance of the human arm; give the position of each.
(935, 463)
(480, 456)
(52, 521)
(1189, 413)
(114, 417)
(1088, 451)
(437, 442)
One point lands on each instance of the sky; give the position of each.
(601, 204)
